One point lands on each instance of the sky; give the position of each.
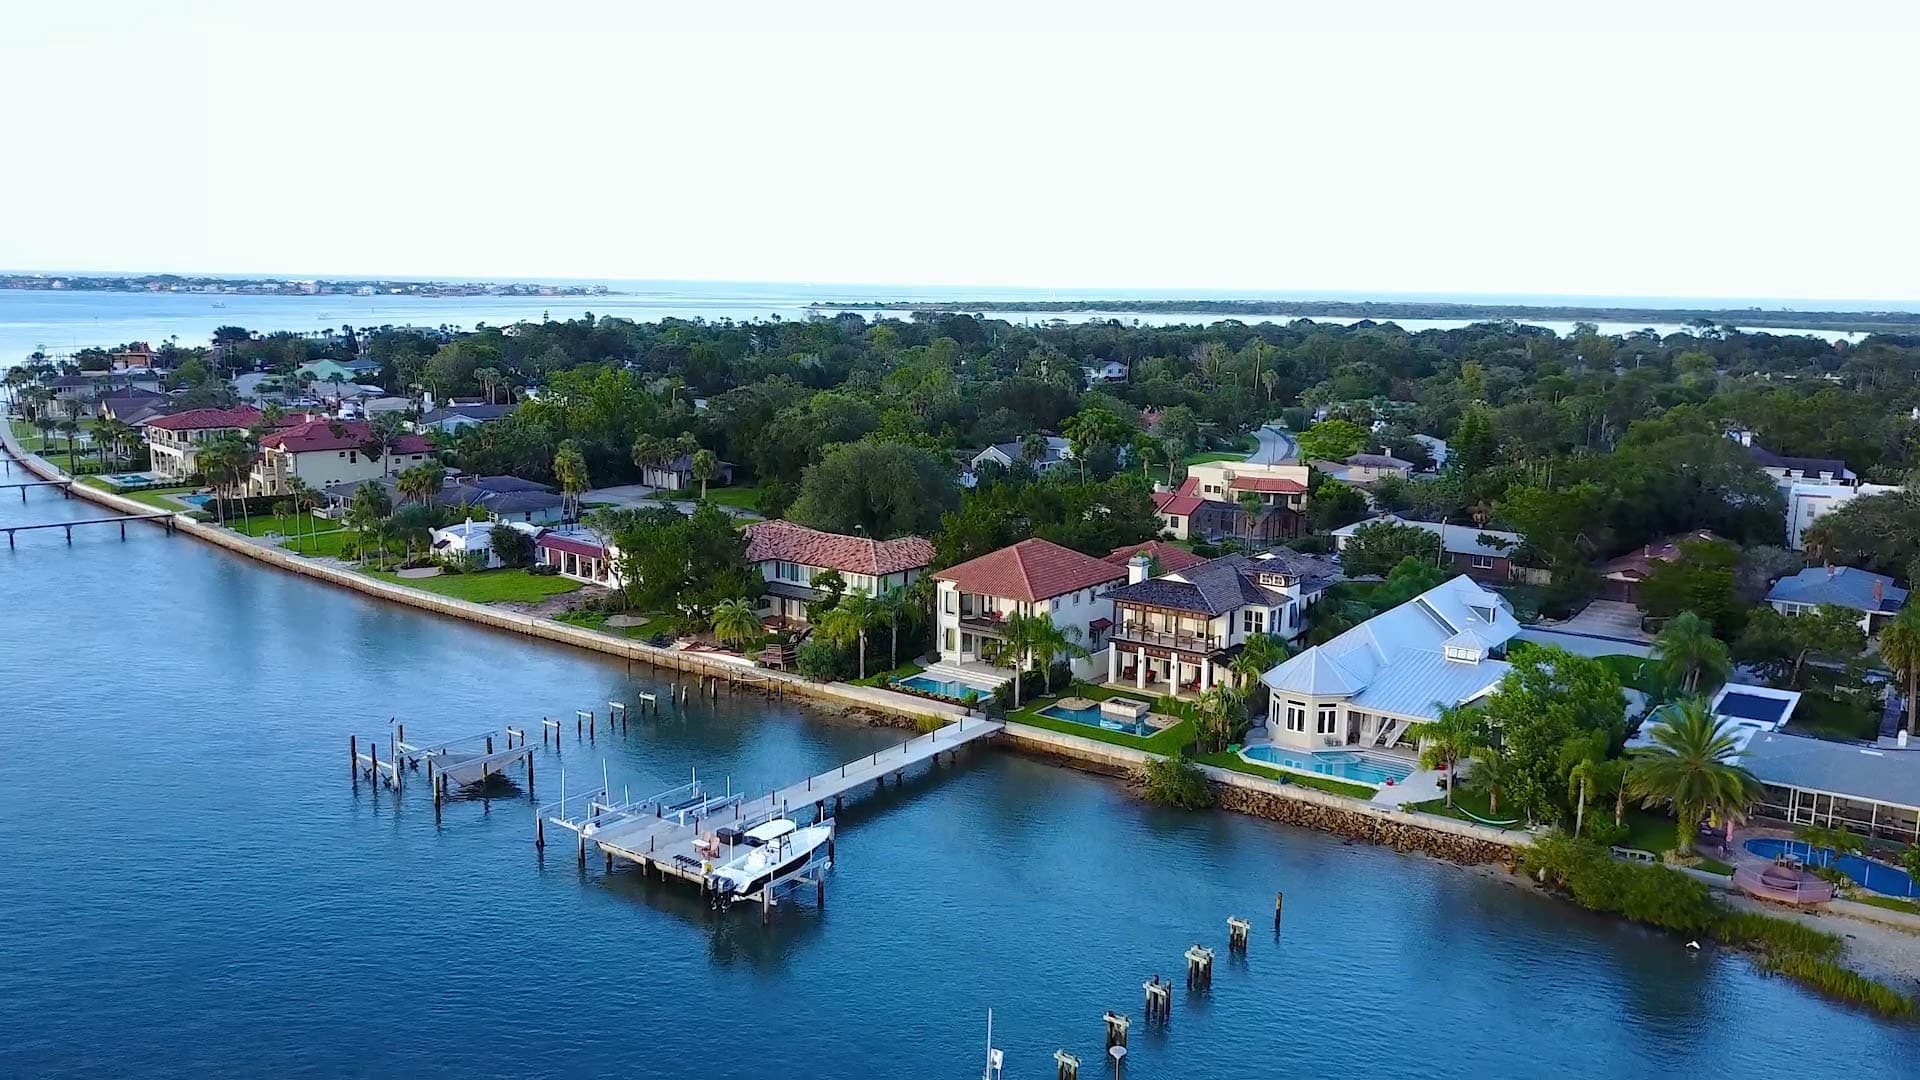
(1627, 148)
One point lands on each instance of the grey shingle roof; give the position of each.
(1847, 586)
(1888, 776)
(1768, 459)
(1225, 584)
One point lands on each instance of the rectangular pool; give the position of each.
(947, 688)
(1094, 718)
(1339, 764)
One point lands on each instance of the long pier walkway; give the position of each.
(164, 518)
(658, 836)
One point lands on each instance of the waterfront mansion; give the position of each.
(1367, 686)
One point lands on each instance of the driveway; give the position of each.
(1610, 620)
(640, 497)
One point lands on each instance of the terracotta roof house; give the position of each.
(1032, 577)
(1621, 577)
(174, 438)
(328, 452)
(1175, 633)
(789, 556)
(1171, 557)
(1207, 504)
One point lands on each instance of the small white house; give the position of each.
(456, 542)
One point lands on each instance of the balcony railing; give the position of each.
(1144, 635)
(981, 624)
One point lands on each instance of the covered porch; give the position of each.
(1164, 671)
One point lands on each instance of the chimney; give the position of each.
(1830, 571)
(1137, 568)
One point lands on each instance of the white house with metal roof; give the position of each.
(1400, 668)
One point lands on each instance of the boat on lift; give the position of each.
(774, 851)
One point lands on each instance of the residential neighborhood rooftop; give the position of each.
(1226, 584)
(787, 542)
(1455, 539)
(313, 435)
(1799, 761)
(1847, 586)
(1030, 570)
(240, 416)
(1171, 557)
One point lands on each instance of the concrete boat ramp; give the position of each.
(659, 833)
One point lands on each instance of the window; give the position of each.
(1253, 620)
(949, 639)
(953, 602)
(1483, 562)
(1296, 716)
(1076, 598)
(1328, 717)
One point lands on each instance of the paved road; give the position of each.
(1276, 447)
(640, 496)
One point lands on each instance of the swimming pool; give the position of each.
(1342, 764)
(130, 479)
(947, 688)
(1094, 718)
(1875, 877)
(200, 501)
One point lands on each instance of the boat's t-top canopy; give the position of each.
(772, 830)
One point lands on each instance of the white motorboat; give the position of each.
(768, 854)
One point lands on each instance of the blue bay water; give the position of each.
(193, 887)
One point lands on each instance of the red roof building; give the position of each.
(784, 541)
(1172, 557)
(323, 453)
(1031, 571)
(240, 417)
(314, 435)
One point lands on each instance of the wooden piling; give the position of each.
(1067, 1067)
(353, 754)
(1159, 998)
(540, 833)
(1117, 1030)
(1237, 933)
(1199, 968)
(1279, 901)
(529, 776)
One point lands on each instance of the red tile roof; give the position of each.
(1173, 558)
(240, 416)
(1031, 570)
(1267, 483)
(315, 435)
(787, 542)
(1180, 503)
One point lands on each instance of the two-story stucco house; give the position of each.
(1032, 577)
(174, 440)
(1176, 633)
(1365, 687)
(328, 452)
(1209, 504)
(790, 556)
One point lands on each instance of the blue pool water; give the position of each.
(195, 500)
(1093, 718)
(1876, 877)
(959, 691)
(1336, 763)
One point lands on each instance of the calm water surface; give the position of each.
(193, 888)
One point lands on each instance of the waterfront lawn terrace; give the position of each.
(1227, 759)
(657, 622)
(488, 586)
(283, 524)
(1170, 740)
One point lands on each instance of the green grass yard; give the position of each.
(1169, 740)
(741, 498)
(904, 671)
(1467, 805)
(284, 524)
(657, 623)
(488, 587)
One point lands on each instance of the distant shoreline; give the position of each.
(1863, 322)
(268, 286)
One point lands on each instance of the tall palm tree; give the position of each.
(1047, 642)
(1033, 447)
(893, 607)
(1693, 767)
(705, 466)
(1492, 774)
(1220, 715)
(1581, 756)
(370, 507)
(735, 623)
(847, 622)
(69, 427)
(570, 468)
(1900, 651)
(1688, 651)
(1259, 654)
(1017, 632)
(1447, 741)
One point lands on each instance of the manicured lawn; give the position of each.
(284, 524)
(744, 498)
(335, 543)
(1166, 741)
(1827, 718)
(1633, 671)
(488, 587)
(1715, 866)
(657, 623)
(157, 497)
(1214, 455)
(1226, 759)
(1468, 805)
(1888, 902)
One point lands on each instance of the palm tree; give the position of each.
(489, 378)
(570, 468)
(893, 607)
(847, 622)
(1033, 447)
(1694, 768)
(370, 507)
(647, 452)
(1220, 715)
(1445, 742)
(69, 427)
(1016, 639)
(1259, 654)
(1146, 448)
(1251, 508)
(1900, 651)
(735, 623)
(422, 482)
(1047, 641)
(1492, 774)
(1581, 756)
(705, 466)
(1688, 650)
(302, 498)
